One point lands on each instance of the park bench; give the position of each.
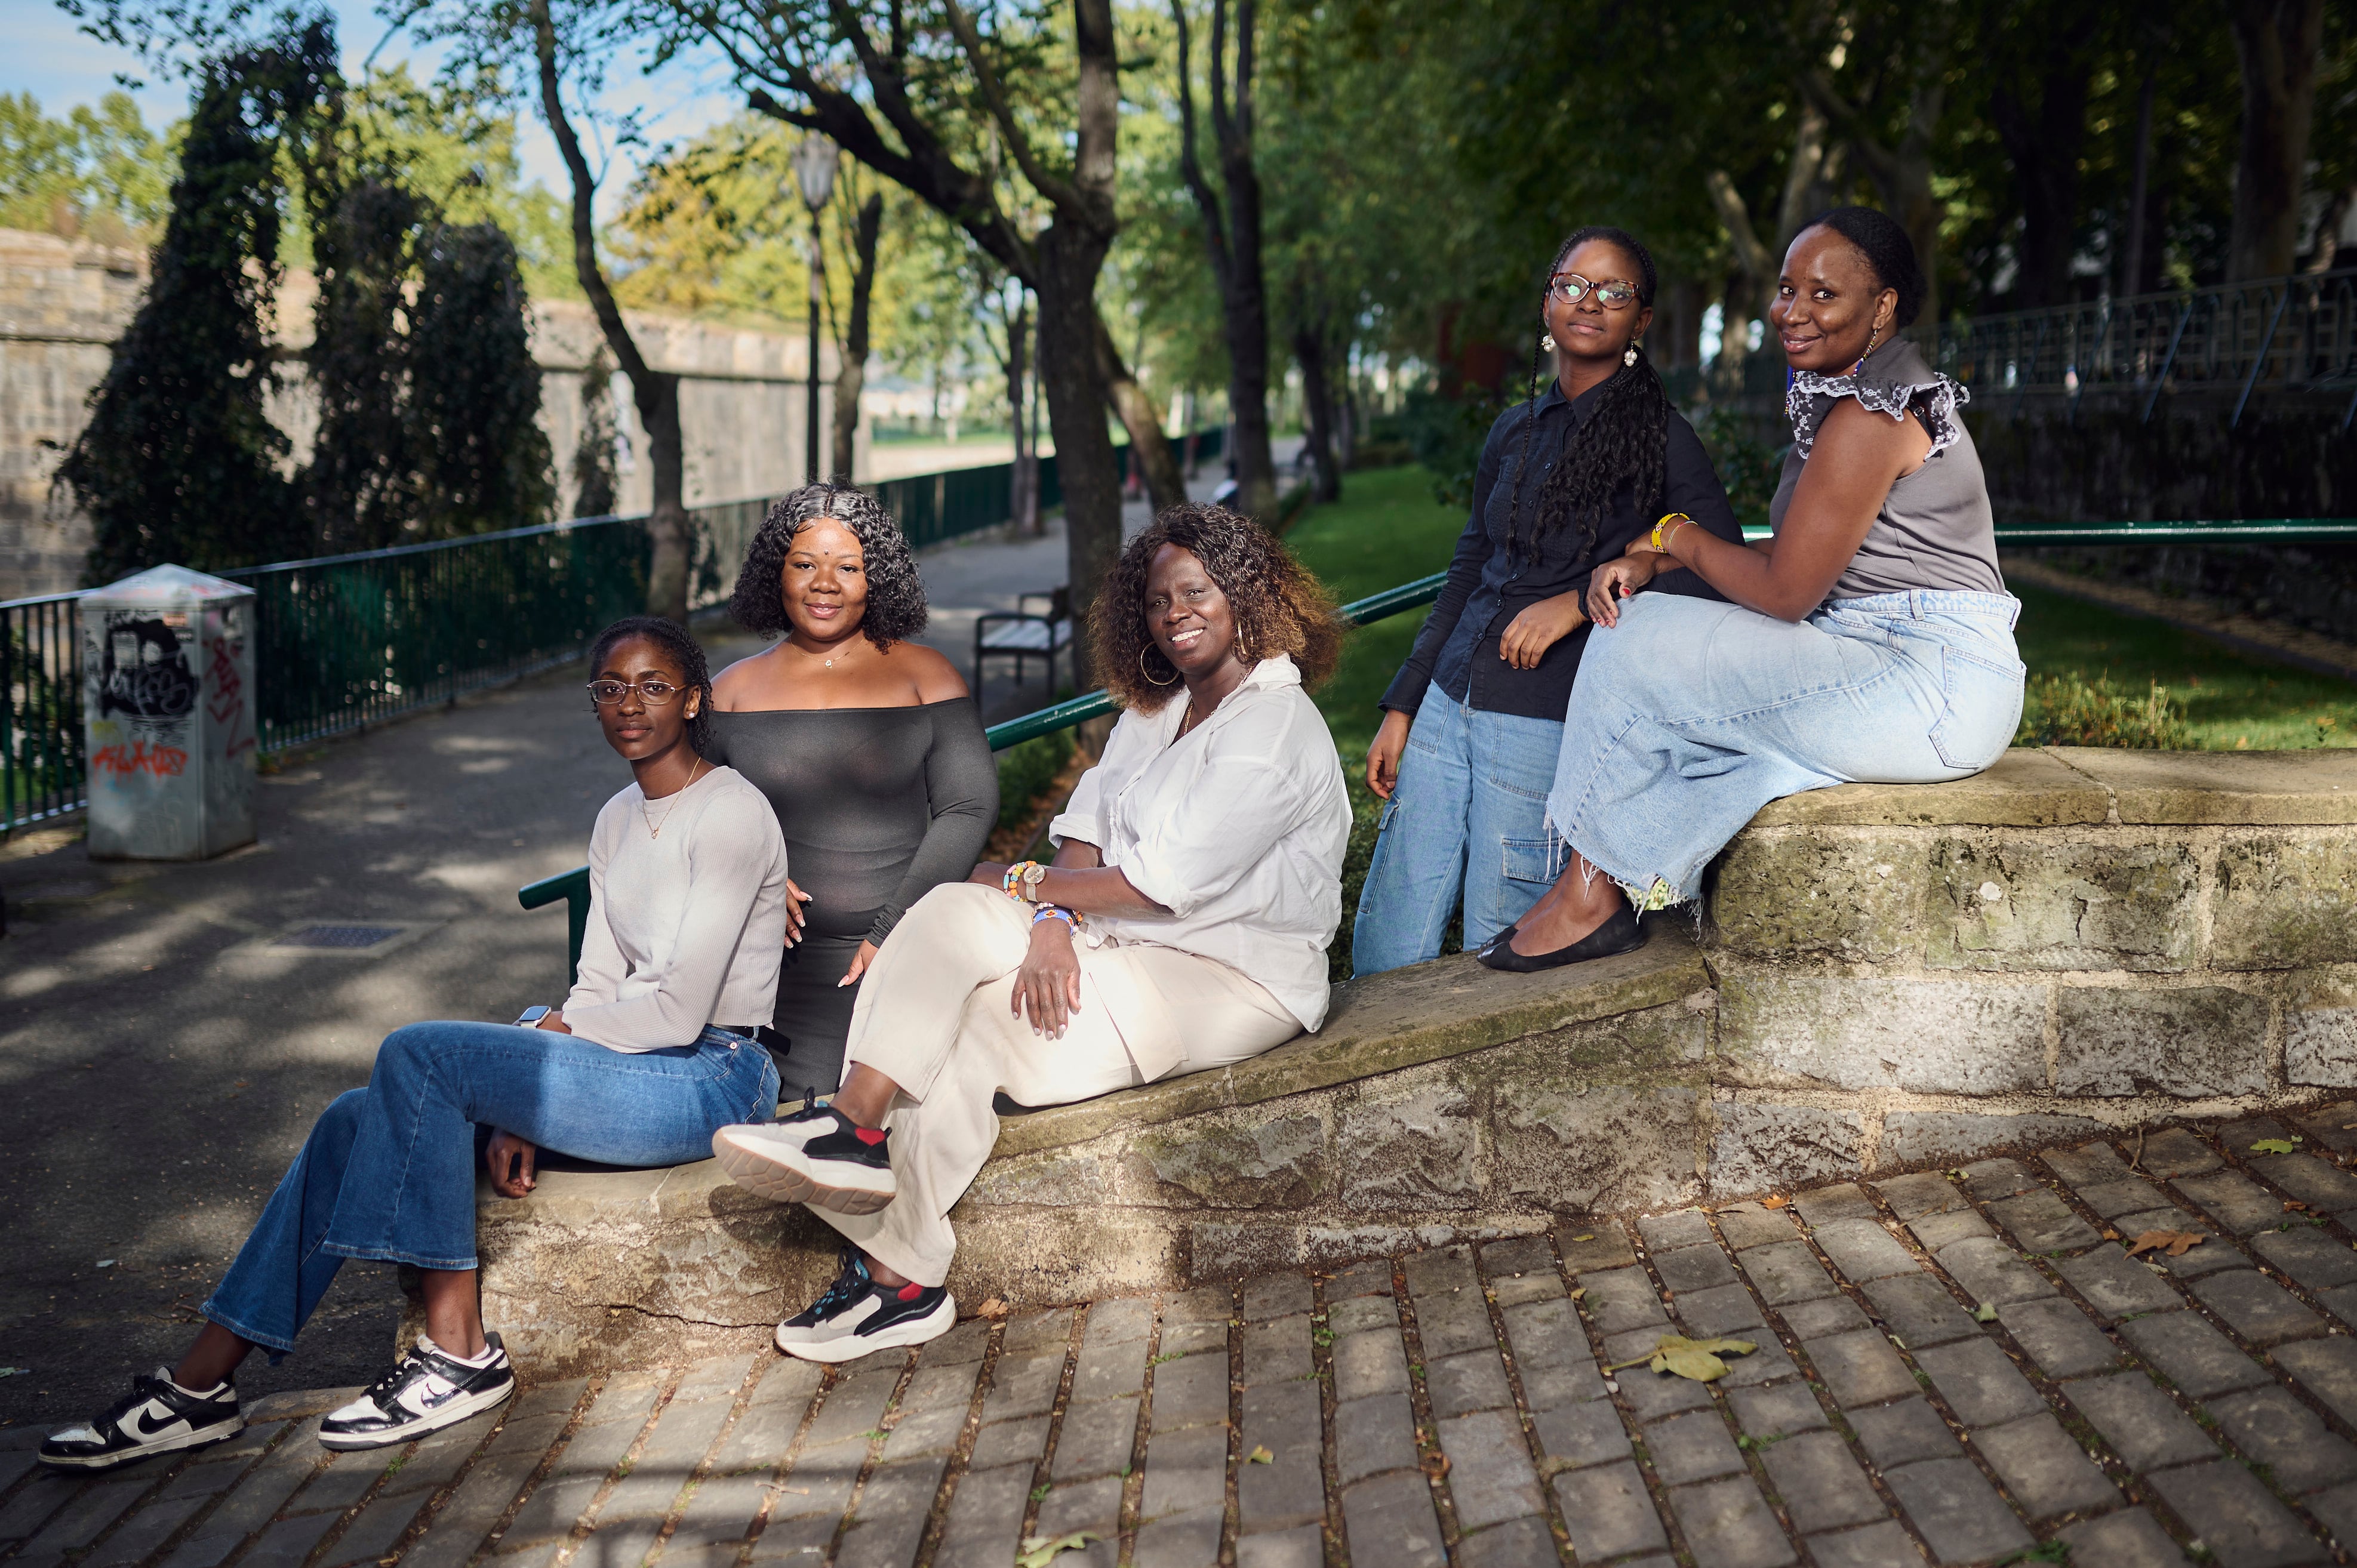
(1024, 634)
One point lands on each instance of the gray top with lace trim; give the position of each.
(1935, 530)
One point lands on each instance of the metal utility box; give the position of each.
(169, 715)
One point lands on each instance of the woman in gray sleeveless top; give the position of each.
(1870, 640)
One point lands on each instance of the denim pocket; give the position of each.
(1981, 708)
(1531, 860)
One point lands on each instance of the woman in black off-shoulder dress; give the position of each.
(868, 746)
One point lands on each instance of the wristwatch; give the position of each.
(1033, 874)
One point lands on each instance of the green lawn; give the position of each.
(2233, 701)
(1387, 530)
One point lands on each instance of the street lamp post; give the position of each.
(814, 172)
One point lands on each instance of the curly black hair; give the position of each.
(895, 594)
(1888, 251)
(1278, 606)
(1624, 442)
(674, 640)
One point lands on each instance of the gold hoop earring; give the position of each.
(1142, 670)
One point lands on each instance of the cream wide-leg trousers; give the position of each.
(933, 1016)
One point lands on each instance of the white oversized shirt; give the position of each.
(1237, 829)
(687, 929)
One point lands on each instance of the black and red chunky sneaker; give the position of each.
(818, 1157)
(857, 1315)
(157, 1416)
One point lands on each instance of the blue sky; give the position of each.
(50, 57)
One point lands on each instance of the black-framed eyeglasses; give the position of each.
(654, 693)
(1571, 288)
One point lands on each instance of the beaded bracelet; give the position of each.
(1058, 912)
(1007, 884)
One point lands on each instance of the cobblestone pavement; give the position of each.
(1958, 1367)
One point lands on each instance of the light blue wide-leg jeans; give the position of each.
(1467, 817)
(1690, 716)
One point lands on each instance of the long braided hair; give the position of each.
(1624, 439)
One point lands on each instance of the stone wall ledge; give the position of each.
(2058, 786)
(1887, 978)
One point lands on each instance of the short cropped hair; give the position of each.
(895, 594)
(696, 675)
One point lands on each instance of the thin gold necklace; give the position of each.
(654, 828)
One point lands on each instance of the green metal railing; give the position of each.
(40, 710)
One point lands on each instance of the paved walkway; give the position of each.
(1954, 1366)
(161, 1057)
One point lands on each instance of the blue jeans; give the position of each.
(1689, 716)
(1468, 814)
(387, 1172)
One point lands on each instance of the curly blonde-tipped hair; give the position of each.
(1279, 608)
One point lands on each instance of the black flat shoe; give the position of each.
(1620, 933)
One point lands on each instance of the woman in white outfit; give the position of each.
(1197, 880)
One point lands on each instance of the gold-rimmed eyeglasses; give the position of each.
(654, 693)
(1571, 288)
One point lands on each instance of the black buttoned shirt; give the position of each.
(1489, 585)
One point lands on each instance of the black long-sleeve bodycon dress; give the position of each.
(879, 806)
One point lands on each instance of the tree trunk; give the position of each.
(853, 374)
(2038, 106)
(656, 393)
(1022, 489)
(1150, 449)
(2277, 42)
(669, 528)
(1070, 371)
(2132, 268)
(1317, 410)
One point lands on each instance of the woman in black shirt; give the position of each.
(1468, 748)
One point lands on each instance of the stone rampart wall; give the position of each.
(1887, 978)
(63, 303)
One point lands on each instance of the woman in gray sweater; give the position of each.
(651, 1053)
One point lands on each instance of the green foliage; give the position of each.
(97, 172)
(1445, 434)
(1025, 770)
(1747, 466)
(2068, 709)
(362, 482)
(178, 461)
(2233, 701)
(594, 482)
(473, 419)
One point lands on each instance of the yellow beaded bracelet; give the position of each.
(1660, 541)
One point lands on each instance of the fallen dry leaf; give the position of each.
(2293, 1205)
(2273, 1146)
(2174, 1241)
(1694, 1359)
(1038, 1551)
(2110, 1234)
(992, 1307)
(1260, 1455)
(1778, 1201)
(1984, 1313)
(1590, 1237)
(1578, 1291)
(1436, 1467)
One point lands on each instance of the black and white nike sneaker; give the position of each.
(429, 1389)
(857, 1316)
(157, 1416)
(818, 1157)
